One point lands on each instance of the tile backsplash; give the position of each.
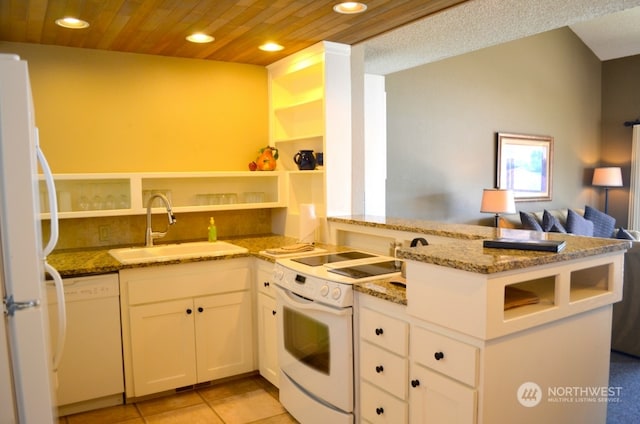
(130, 230)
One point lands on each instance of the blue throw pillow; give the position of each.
(576, 224)
(529, 222)
(603, 224)
(624, 234)
(551, 224)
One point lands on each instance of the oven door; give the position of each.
(315, 348)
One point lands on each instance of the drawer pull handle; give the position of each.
(379, 331)
(266, 284)
(415, 383)
(379, 369)
(438, 355)
(200, 309)
(189, 311)
(273, 312)
(379, 411)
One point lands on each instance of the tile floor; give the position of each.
(247, 400)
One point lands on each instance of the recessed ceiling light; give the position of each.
(199, 37)
(271, 47)
(72, 23)
(350, 7)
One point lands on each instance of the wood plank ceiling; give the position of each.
(159, 27)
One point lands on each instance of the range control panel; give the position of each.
(328, 292)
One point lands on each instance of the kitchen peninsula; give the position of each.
(487, 335)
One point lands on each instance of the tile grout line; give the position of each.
(209, 406)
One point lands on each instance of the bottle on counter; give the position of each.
(213, 231)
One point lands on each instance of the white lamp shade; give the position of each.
(607, 177)
(495, 200)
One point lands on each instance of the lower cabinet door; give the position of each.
(224, 335)
(162, 346)
(378, 406)
(435, 398)
(267, 339)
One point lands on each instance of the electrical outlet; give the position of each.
(103, 232)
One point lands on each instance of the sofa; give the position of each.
(626, 313)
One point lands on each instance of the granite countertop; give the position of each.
(90, 261)
(465, 250)
(389, 289)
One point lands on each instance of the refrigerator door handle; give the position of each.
(62, 314)
(51, 191)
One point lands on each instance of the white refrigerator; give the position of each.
(27, 361)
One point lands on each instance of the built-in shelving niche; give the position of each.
(590, 282)
(543, 288)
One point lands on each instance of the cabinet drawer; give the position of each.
(384, 369)
(445, 355)
(384, 331)
(378, 406)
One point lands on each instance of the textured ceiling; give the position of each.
(612, 36)
(482, 23)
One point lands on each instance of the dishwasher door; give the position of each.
(90, 374)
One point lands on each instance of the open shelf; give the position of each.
(100, 195)
(590, 282)
(544, 288)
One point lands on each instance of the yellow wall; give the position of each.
(104, 111)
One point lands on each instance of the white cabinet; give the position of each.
(435, 398)
(163, 346)
(186, 324)
(383, 361)
(267, 324)
(411, 374)
(310, 109)
(90, 195)
(437, 361)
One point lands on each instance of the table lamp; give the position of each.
(607, 177)
(497, 201)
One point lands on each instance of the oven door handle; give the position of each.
(295, 301)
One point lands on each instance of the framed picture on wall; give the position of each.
(524, 165)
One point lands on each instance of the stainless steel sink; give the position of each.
(168, 252)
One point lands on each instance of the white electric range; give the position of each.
(314, 309)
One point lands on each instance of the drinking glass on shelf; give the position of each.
(110, 202)
(83, 203)
(123, 202)
(202, 199)
(96, 203)
(232, 198)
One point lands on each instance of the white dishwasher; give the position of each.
(90, 374)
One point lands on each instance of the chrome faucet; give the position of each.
(150, 235)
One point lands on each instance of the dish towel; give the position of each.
(292, 248)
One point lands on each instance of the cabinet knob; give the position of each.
(379, 331)
(415, 383)
(273, 312)
(200, 309)
(379, 410)
(379, 369)
(266, 284)
(189, 311)
(438, 355)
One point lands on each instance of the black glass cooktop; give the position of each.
(368, 270)
(331, 258)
